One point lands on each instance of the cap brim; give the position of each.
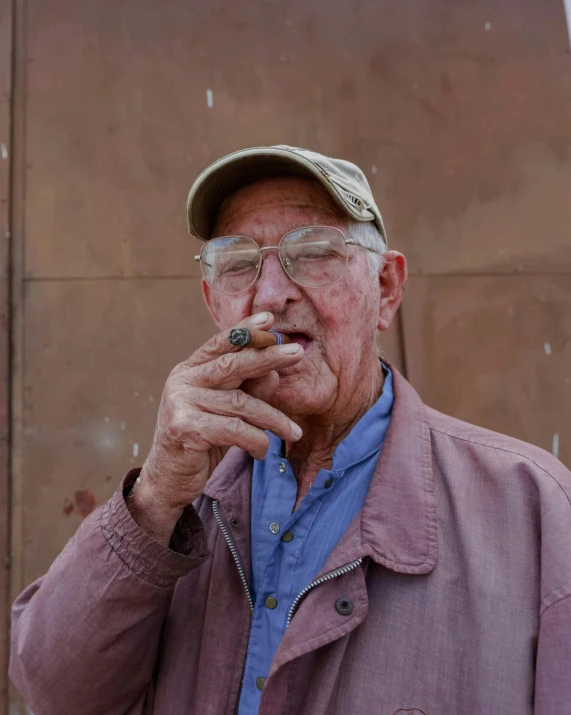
(236, 170)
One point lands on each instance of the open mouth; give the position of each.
(303, 339)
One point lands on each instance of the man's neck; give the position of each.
(322, 434)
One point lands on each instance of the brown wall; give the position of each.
(460, 114)
(5, 146)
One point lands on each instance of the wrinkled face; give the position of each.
(336, 325)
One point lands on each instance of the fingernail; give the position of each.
(260, 318)
(289, 349)
(296, 429)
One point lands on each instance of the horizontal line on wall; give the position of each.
(49, 279)
(519, 274)
(513, 274)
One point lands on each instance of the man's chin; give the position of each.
(304, 389)
(291, 399)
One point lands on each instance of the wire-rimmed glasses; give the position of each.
(312, 256)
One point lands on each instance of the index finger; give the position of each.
(220, 345)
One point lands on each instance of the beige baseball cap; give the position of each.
(345, 182)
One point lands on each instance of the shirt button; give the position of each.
(271, 602)
(260, 682)
(274, 527)
(328, 482)
(288, 535)
(282, 467)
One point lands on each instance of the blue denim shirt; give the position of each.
(281, 568)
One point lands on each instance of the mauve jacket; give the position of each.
(455, 580)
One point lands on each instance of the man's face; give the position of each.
(336, 325)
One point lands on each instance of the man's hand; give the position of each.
(204, 410)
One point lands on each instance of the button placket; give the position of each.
(273, 517)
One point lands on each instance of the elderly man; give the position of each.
(354, 552)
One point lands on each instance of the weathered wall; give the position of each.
(5, 111)
(460, 114)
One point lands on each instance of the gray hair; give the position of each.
(365, 233)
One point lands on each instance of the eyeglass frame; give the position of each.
(346, 241)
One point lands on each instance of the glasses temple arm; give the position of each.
(351, 242)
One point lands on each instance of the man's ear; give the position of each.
(392, 279)
(212, 302)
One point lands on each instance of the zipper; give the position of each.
(233, 551)
(342, 570)
(327, 577)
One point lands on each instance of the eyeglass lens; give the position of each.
(315, 256)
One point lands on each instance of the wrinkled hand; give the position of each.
(205, 408)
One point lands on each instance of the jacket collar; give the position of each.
(397, 525)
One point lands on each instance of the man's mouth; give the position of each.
(304, 339)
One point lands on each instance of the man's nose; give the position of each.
(274, 289)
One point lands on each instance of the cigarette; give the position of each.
(243, 337)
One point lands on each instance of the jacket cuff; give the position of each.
(144, 556)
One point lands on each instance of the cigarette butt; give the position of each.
(243, 337)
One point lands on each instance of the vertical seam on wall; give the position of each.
(15, 301)
(9, 281)
(17, 217)
(5, 471)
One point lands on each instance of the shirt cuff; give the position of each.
(144, 556)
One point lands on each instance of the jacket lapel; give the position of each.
(397, 526)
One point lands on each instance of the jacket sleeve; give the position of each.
(86, 636)
(553, 667)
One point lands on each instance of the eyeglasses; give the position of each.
(313, 257)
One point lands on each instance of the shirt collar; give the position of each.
(364, 439)
(368, 434)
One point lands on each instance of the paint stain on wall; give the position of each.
(83, 504)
